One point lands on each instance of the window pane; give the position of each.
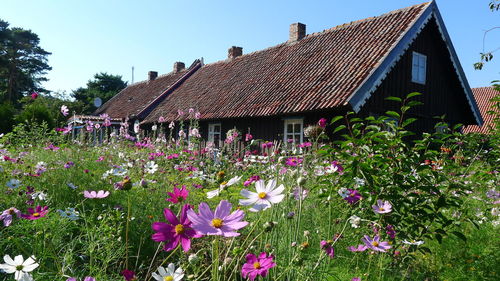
(217, 128)
(289, 128)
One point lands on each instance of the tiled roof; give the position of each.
(483, 96)
(320, 71)
(136, 97)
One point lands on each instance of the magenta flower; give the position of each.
(38, 212)
(176, 231)
(88, 278)
(390, 231)
(219, 222)
(322, 123)
(293, 161)
(8, 214)
(353, 196)
(34, 95)
(382, 207)
(375, 244)
(257, 265)
(359, 248)
(328, 248)
(95, 195)
(178, 195)
(356, 279)
(248, 137)
(69, 164)
(129, 275)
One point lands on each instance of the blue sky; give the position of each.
(86, 37)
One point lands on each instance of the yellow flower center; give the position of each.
(217, 223)
(381, 209)
(11, 211)
(262, 195)
(36, 214)
(256, 265)
(179, 229)
(375, 243)
(168, 278)
(224, 183)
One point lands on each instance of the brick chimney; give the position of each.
(234, 52)
(152, 75)
(297, 31)
(179, 66)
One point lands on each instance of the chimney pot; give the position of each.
(234, 52)
(179, 66)
(297, 31)
(152, 75)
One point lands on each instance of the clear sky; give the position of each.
(90, 36)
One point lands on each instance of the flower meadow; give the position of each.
(375, 204)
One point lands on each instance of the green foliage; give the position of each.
(7, 112)
(37, 112)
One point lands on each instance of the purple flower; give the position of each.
(257, 265)
(359, 248)
(93, 194)
(322, 123)
(353, 196)
(219, 222)
(88, 278)
(129, 275)
(34, 214)
(178, 195)
(293, 161)
(8, 214)
(390, 231)
(328, 248)
(356, 279)
(69, 164)
(176, 231)
(375, 243)
(382, 207)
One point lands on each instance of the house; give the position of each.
(276, 92)
(483, 96)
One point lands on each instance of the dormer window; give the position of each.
(418, 68)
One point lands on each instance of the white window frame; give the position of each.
(418, 68)
(286, 133)
(212, 132)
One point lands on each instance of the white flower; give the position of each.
(265, 196)
(154, 127)
(13, 183)
(72, 186)
(355, 221)
(151, 167)
(18, 266)
(168, 274)
(413, 242)
(39, 195)
(359, 181)
(216, 192)
(119, 172)
(69, 213)
(343, 192)
(26, 277)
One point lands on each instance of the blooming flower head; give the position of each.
(265, 196)
(169, 273)
(248, 137)
(34, 214)
(216, 192)
(34, 95)
(95, 194)
(390, 231)
(129, 275)
(8, 214)
(257, 265)
(175, 231)
(322, 123)
(328, 248)
(13, 183)
(151, 167)
(220, 222)
(293, 161)
(64, 110)
(413, 242)
(359, 248)
(69, 213)
(382, 207)
(353, 197)
(18, 266)
(375, 243)
(355, 221)
(178, 195)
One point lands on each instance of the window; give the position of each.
(214, 130)
(294, 130)
(419, 67)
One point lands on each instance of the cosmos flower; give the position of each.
(168, 274)
(293, 161)
(257, 265)
(413, 242)
(178, 195)
(129, 275)
(220, 222)
(88, 278)
(359, 248)
(95, 195)
(13, 183)
(355, 221)
(69, 213)
(353, 197)
(175, 231)
(8, 214)
(382, 207)
(216, 192)
(37, 213)
(375, 243)
(34, 95)
(64, 110)
(151, 167)
(322, 123)
(265, 196)
(328, 248)
(18, 266)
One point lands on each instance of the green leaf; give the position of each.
(414, 94)
(460, 235)
(394, 99)
(408, 122)
(341, 127)
(439, 238)
(335, 119)
(393, 114)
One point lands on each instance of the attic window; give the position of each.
(418, 68)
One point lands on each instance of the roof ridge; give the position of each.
(159, 77)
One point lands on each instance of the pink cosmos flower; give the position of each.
(375, 244)
(197, 115)
(178, 195)
(219, 222)
(34, 95)
(322, 123)
(38, 212)
(175, 231)
(353, 196)
(64, 110)
(51, 147)
(95, 195)
(359, 248)
(8, 214)
(382, 207)
(328, 248)
(248, 137)
(293, 161)
(257, 265)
